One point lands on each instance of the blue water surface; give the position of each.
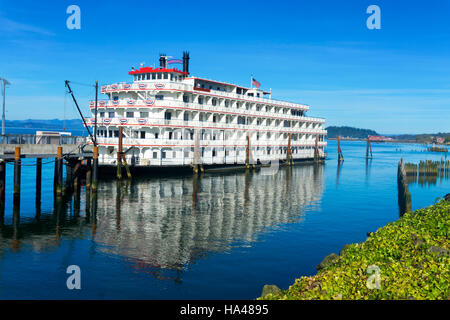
(219, 236)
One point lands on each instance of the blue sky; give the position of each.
(393, 80)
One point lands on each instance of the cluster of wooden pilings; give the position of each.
(438, 149)
(427, 171)
(78, 166)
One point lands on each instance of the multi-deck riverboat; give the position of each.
(170, 118)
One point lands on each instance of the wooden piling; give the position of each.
(76, 176)
(59, 173)
(76, 188)
(38, 184)
(69, 176)
(247, 154)
(125, 164)
(288, 152)
(404, 196)
(340, 155)
(88, 173)
(368, 148)
(17, 174)
(119, 155)
(95, 170)
(316, 150)
(2, 189)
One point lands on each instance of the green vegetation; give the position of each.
(412, 255)
(349, 132)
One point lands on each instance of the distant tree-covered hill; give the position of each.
(31, 125)
(349, 132)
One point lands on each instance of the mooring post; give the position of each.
(404, 196)
(59, 173)
(17, 167)
(368, 147)
(38, 186)
(2, 190)
(340, 155)
(119, 155)
(125, 163)
(247, 154)
(288, 152)
(95, 170)
(316, 149)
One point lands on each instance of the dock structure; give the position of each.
(76, 170)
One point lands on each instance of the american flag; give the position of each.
(256, 83)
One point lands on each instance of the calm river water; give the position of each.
(221, 236)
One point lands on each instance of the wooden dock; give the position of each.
(80, 165)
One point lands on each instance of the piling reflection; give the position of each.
(169, 222)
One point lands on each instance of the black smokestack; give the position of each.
(186, 61)
(162, 61)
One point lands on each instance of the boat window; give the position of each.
(167, 115)
(159, 76)
(111, 114)
(200, 100)
(186, 116)
(142, 134)
(153, 76)
(159, 97)
(130, 114)
(185, 98)
(155, 155)
(166, 76)
(102, 114)
(144, 114)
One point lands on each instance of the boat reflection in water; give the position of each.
(169, 222)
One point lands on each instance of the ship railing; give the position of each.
(197, 124)
(143, 86)
(240, 143)
(130, 103)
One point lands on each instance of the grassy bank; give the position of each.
(411, 254)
